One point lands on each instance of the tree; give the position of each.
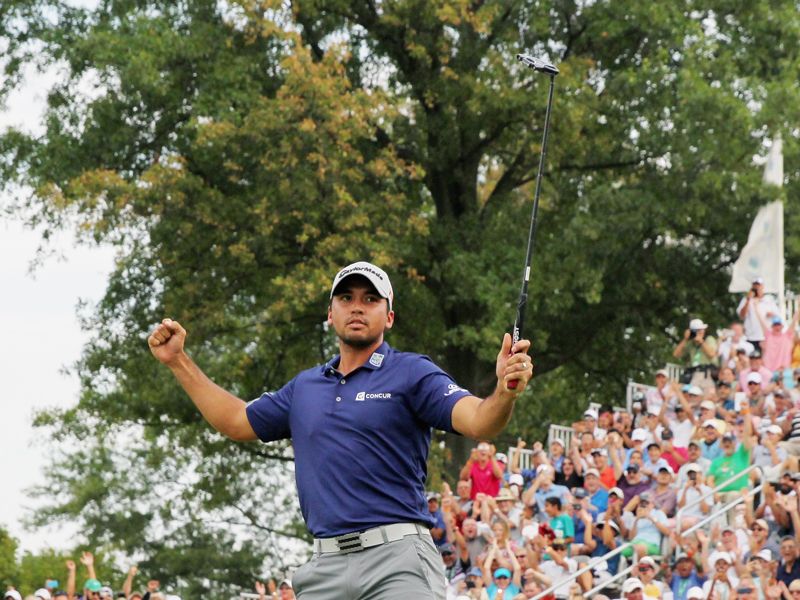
(9, 570)
(238, 154)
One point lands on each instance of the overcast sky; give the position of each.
(40, 334)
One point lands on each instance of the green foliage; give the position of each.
(237, 154)
(9, 569)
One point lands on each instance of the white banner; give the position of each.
(763, 254)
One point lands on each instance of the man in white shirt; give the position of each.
(747, 312)
(732, 342)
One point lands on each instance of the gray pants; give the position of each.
(408, 568)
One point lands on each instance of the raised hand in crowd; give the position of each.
(87, 560)
(261, 590)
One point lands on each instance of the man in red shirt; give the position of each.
(483, 470)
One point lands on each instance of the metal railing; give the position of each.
(607, 582)
(588, 567)
(560, 432)
(634, 387)
(723, 509)
(698, 500)
(524, 458)
(709, 518)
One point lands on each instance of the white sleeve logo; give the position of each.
(452, 389)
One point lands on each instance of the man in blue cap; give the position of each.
(360, 426)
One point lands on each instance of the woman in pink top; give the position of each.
(778, 342)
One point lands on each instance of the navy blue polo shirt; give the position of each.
(360, 441)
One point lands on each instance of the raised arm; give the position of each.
(517, 456)
(70, 580)
(87, 560)
(485, 418)
(128, 585)
(225, 412)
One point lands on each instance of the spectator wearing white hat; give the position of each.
(691, 495)
(646, 570)
(768, 456)
(722, 579)
(710, 444)
(632, 589)
(694, 456)
(556, 455)
(543, 488)
(756, 368)
(664, 496)
(590, 424)
(483, 470)
(699, 352)
(683, 425)
(12, 594)
(756, 301)
(638, 438)
(730, 341)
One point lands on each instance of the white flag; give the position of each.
(773, 170)
(763, 254)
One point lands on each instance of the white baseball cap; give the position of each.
(516, 479)
(632, 584)
(616, 491)
(648, 561)
(594, 472)
(695, 593)
(13, 594)
(694, 391)
(718, 556)
(590, 413)
(775, 429)
(697, 324)
(693, 467)
(639, 435)
(754, 378)
(764, 554)
(376, 276)
(42, 593)
(708, 404)
(662, 372)
(558, 441)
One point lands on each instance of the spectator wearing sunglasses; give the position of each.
(501, 584)
(646, 570)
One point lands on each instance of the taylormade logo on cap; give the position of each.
(376, 276)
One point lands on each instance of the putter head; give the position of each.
(537, 64)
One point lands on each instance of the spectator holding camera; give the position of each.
(646, 525)
(690, 496)
(699, 352)
(755, 307)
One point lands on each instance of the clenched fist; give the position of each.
(166, 341)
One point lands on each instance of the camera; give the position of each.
(693, 333)
(576, 506)
(470, 584)
(692, 475)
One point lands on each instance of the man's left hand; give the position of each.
(513, 364)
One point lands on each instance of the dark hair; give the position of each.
(606, 408)
(553, 500)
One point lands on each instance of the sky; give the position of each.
(40, 335)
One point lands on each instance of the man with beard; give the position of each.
(360, 427)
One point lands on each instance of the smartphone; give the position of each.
(739, 400)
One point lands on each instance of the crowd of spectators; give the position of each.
(94, 589)
(648, 478)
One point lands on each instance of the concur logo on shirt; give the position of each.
(361, 396)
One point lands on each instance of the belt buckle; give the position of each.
(349, 542)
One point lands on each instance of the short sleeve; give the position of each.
(434, 394)
(269, 414)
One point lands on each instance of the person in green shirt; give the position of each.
(732, 461)
(560, 523)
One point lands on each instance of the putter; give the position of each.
(542, 67)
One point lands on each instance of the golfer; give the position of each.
(360, 428)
